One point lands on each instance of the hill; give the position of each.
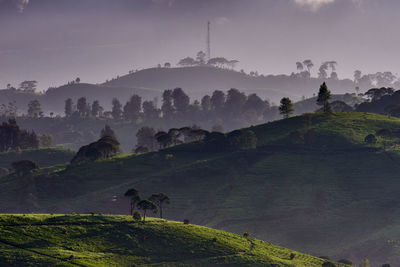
(201, 80)
(312, 184)
(103, 240)
(44, 157)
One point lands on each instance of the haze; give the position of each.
(54, 41)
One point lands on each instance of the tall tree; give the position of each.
(134, 196)
(181, 101)
(286, 108)
(116, 111)
(160, 199)
(150, 112)
(323, 98)
(146, 138)
(97, 110)
(35, 109)
(218, 101)
(206, 103)
(82, 107)
(107, 131)
(146, 205)
(69, 107)
(132, 108)
(167, 107)
(235, 101)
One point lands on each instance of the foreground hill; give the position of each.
(198, 81)
(99, 240)
(312, 184)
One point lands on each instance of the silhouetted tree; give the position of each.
(201, 58)
(370, 139)
(286, 108)
(186, 62)
(116, 109)
(235, 101)
(167, 65)
(160, 199)
(35, 109)
(181, 101)
(132, 108)
(82, 107)
(107, 131)
(150, 112)
(218, 101)
(299, 66)
(308, 64)
(69, 107)
(323, 98)
(134, 197)
(146, 205)
(164, 139)
(167, 107)
(97, 110)
(46, 140)
(28, 86)
(146, 138)
(206, 103)
(105, 147)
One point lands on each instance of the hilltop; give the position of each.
(201, 80)
(105, 240)
(312, 184)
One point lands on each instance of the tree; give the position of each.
(188, 61)
(164, 139)
(235, 101)
(78, 80)
(146, 138)
(181, 100)
(82, 107)
(132, 108)
(308, 64)
(357, 76)
(46, 140)
(28, 86)
(167, 107)
(323, 98)
(206, 103)
(107, 131)
(69, 107)
(167, 65)
(323, 70)
(286, 108)
(201, 58)
(299, 66)
(218, 101)
(160, 199)
(242, 140)
(134, 196)
(97, 110)
(35, 109)
(116, 109)
(12, 137)
(105, 147)
(150, 112)
(146, 205)
(24, 167)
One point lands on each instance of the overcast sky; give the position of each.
(54, 41)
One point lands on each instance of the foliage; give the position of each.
(12, 137)
(24, 167)
(105, 147)
(286, 107)
(146, 205)
(160, 199)
(323, 98)
(370, 139)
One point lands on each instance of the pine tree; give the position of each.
(286, 108)
(323, 98)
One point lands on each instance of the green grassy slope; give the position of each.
(98, 240)
(334, 196)
(44, 157)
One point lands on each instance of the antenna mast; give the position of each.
(208, 41)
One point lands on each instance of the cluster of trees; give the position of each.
(233, 108)
(201, 60)
(286, 107)
(154, 203)
(14, 138)
(107, 146)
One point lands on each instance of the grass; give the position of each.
(44, 157)
(337, 196)
(115, 240)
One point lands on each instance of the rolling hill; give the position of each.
(312, 184)
(104, 240)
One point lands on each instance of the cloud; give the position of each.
(20, 5)
(314, 5)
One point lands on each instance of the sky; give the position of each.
(55, 41)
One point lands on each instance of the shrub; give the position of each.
(71, 257)
(246, 234)
(136, 216)
(214, 240)
(328, 264)
(370, 139)
(292, 256)
(186, 221)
